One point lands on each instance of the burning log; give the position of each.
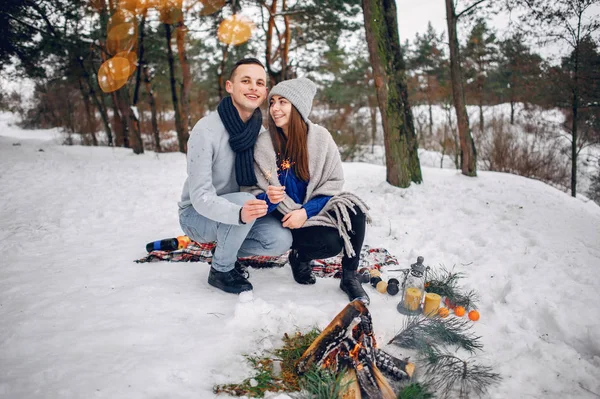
(348, 344)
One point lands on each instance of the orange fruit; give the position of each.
(443, 312)
(449, 304)
(474, 315)
(459, 311)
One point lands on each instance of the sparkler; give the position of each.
(267, 174)
(286, 165)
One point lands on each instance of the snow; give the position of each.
(80, 319)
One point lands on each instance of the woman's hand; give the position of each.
(295, 219)
(275, 194)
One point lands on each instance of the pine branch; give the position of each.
(319, 383)
(445, 283)
(447, 373)
(422, 333)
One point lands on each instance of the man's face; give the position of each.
(248, 87)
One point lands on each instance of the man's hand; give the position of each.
(253, 209)
(275, 194)
(295, 219)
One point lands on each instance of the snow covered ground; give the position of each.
(80, 319)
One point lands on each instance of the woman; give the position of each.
(300, 175)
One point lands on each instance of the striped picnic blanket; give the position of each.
(370, 258)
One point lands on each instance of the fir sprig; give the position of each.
(320, 383)
(264, 378)
(445, 283)
(415, 391)
(447, 374)
(420, 332)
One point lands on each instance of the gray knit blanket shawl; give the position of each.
(326, 178)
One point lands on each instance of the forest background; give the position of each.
(528, 113)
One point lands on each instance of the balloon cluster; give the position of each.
(373, 276)
(122, 34)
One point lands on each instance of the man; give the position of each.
(220, 160)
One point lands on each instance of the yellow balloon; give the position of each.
(113, 74)
(211, 6)
(235, 30)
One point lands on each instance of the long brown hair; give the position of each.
(292, 148)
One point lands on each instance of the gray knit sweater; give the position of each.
(326, 178)
(211, 172)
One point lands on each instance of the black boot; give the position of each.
(351, 285)
(301, 270)
(231, 281)
(241, 269)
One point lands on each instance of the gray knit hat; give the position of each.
(300, 92)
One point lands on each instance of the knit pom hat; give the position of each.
(300, 92)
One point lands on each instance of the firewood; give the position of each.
(352, 389)
(332, 336)
(348, 345)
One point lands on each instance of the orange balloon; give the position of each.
(235, 30)
(122, 32)
(171, 11)
(131, 56)
(211, 6)
(98, 4)
(443, 312)
(474, 315)
(129, 5)
(459, 311)
(143, 5)
(121, 24)
(113, 74)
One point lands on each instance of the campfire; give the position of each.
(348, 345)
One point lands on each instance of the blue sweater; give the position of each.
(295, 188)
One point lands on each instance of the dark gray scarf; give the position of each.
(242, 137)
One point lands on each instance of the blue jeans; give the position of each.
(265, 236)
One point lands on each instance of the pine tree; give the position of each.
(427, 62)
(519, 74)
(479, 55)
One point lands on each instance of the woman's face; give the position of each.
(280, 110)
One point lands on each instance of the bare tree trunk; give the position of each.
(181, 136)
(152, 102)
(468, 153)
(221, 70)
(512, 110)
(429, 101)
(134, 125)
(99, 104)
(575, 107)
(373, 110)
(187, 78)
(283, 44)
(119, 127)
(481, 120)
(389, 71)
(91, 120)
(141, 60)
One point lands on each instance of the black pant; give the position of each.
(321, 242)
